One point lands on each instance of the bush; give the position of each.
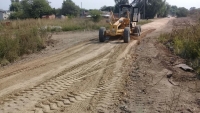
(185, 43)
(182, 12)
(16, 15)
(29, 36)
(9, 48)
(21, 37)
(82, 24)
(142, 22)
(96, 15)
(72, 28)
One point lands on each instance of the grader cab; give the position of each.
(123, 26)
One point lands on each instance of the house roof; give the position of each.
(3, 11)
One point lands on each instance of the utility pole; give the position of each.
(144, 8)
(81, 10)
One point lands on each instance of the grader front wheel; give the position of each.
(127, 35)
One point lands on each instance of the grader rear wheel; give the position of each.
(102, 37)
(137, 30)
(140, 29)
(127, 35)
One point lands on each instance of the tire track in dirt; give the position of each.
(107, 90)
(109, 97)
(68, 99)
(146, 96)
(62, 101)
(52, 87)
(59, 93)
(71, 52)
(55, 85)
(66, 65)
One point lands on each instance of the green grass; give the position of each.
(185, 43)
(18, 39)
(142, 22)
(75, 24)
(29, 36)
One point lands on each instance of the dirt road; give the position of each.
(155, 84)
(85, 78)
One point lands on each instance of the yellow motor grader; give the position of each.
(123, 26)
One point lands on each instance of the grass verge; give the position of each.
(142, 22)
(21, 37)
(184, 41)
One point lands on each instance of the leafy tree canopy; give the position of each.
(173, 10)
(165, 10)
(70, 8)
(154, 7)
(107, 8)
(119, 2)
(96, 15)
(15, 5)
(182, 12)
(30, 8)
(40, 8)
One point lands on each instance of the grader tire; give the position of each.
(140, 29)
(127, 35)
(102, 37)
(137, 30)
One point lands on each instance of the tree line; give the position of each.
(153, 7)
(37, 8)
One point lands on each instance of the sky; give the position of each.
(97, 4)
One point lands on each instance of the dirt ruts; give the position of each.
(87, 77)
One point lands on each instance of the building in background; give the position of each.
(50, 17)
(105, 14)
(4, 15)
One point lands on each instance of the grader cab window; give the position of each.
(123, 12)
(135, 14)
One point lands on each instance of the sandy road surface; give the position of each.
(84, 78)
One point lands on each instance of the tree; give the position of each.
(119, 2)
(56, 11)
(16, 15)
(122, 2)
(194, 13)
(193, 10)
(30, 8)
(107, 8)
(26, 9)
(173, 10)
(16, 8)
(182, 12)
(40, 8)
(96, 15)
(15, 5)
(14, 1)
(165, 10)
(155, 7)
(70, 8)
(103, 7)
